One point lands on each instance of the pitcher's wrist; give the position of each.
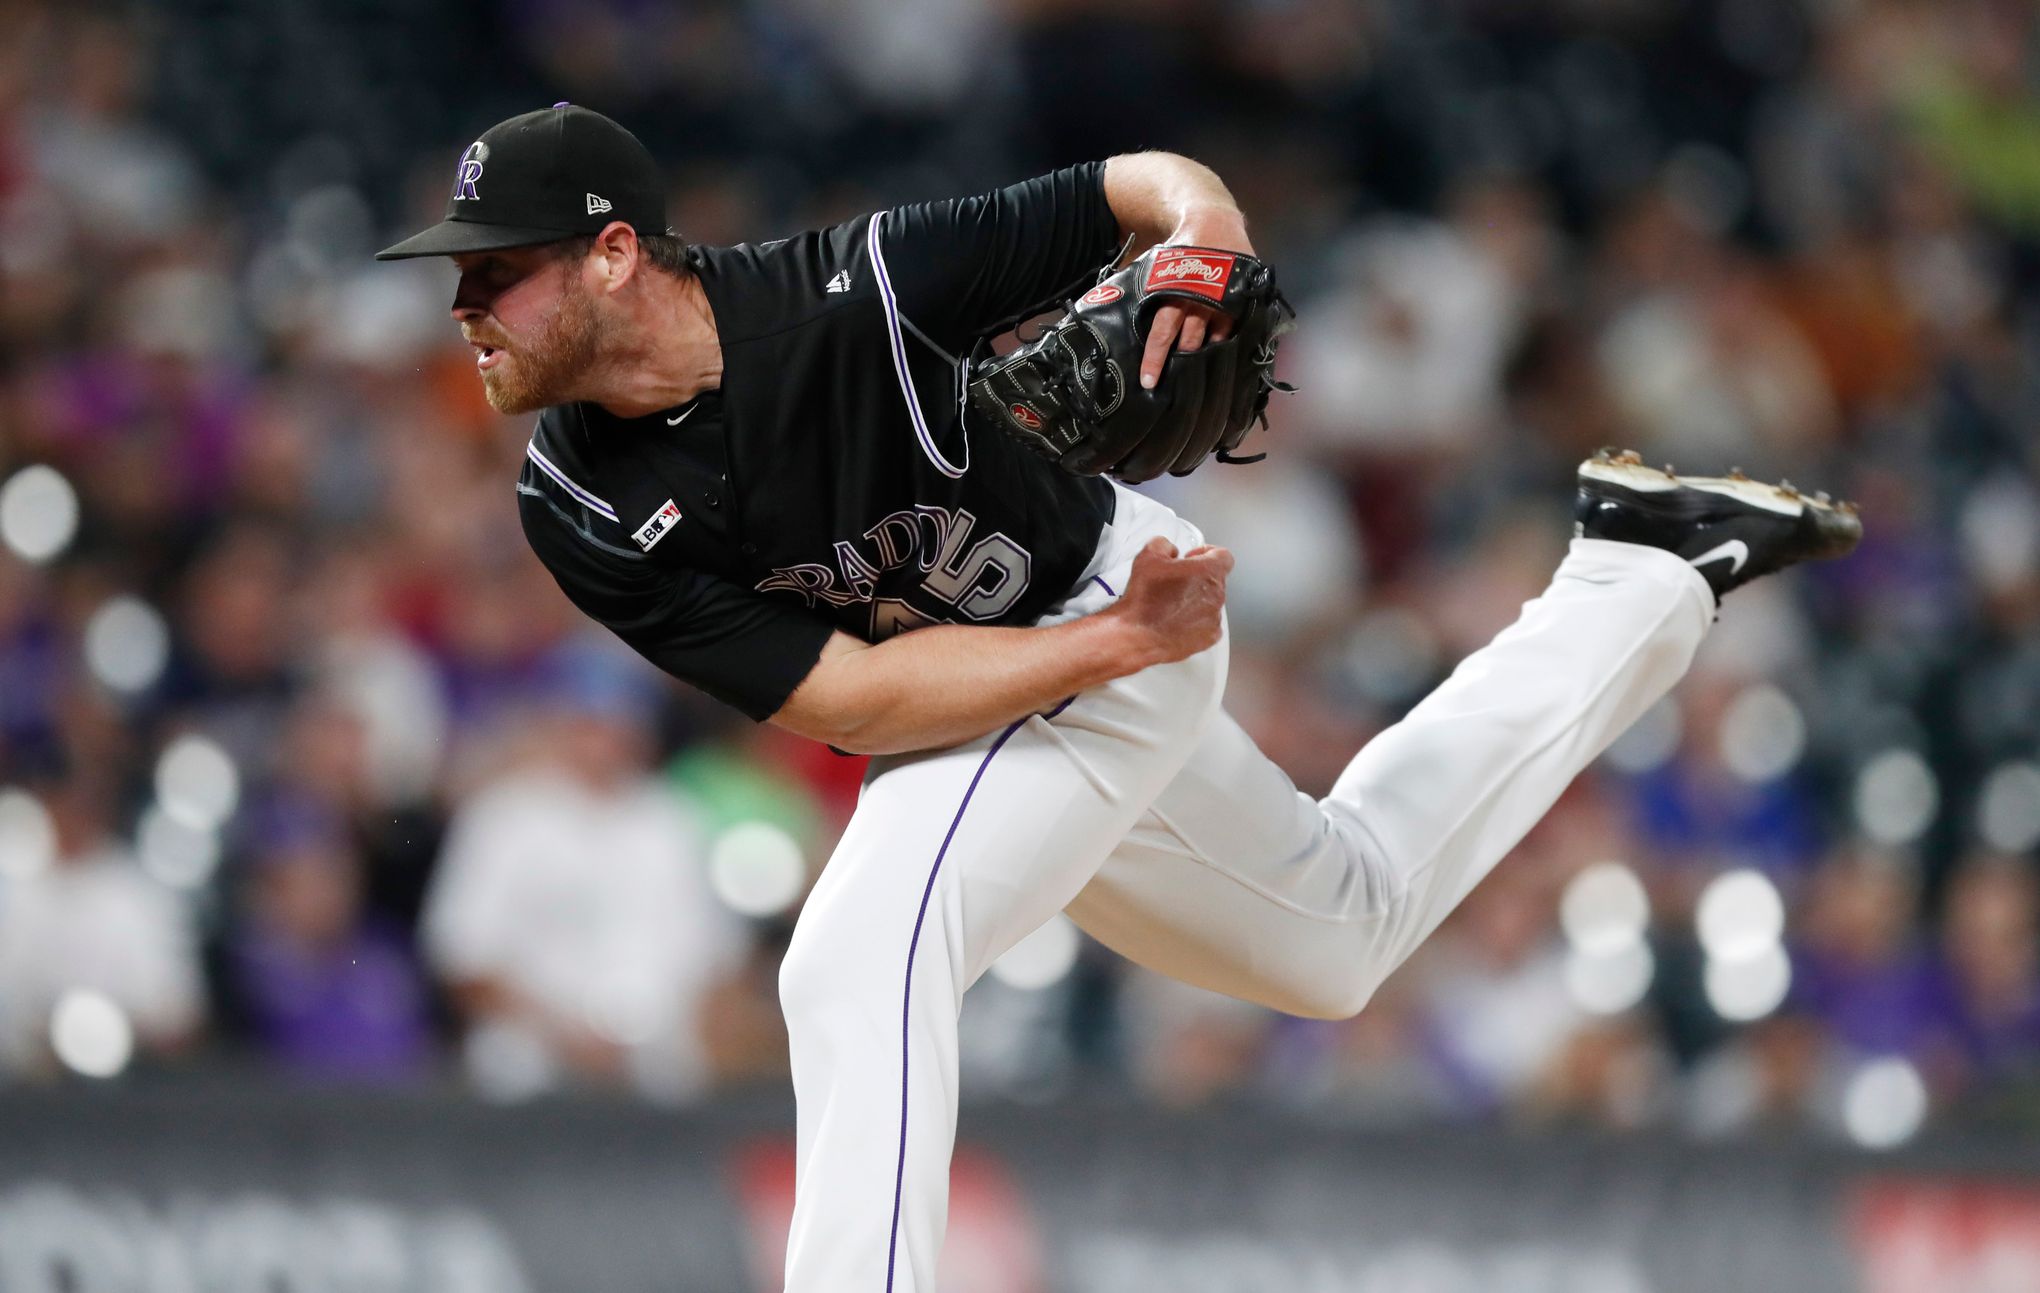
(1216, 225)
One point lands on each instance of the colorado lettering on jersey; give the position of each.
(980, 578)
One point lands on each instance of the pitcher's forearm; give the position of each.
(1160, 197)
(944, 685)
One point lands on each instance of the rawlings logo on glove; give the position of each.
(1072, 394)
(1202, 272)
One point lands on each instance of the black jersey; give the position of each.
(831, 482)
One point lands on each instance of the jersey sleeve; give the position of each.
(962, 267)
(743, 649)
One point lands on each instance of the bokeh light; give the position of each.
(1604, 909)
(197, 783)
(1884, 1103)
(1896, 797)
(756, 868)
(1609, 983)
(90, 1033)
(2008, 811)
(1740, 916)
(1748, 989)
(179, 855)
(126, 644)
(38, 513)
(28, 839)
(1763, 734)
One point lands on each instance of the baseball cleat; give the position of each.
(1730, 528)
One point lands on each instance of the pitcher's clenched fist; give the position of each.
(1178, 602)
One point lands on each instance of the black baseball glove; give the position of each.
(1073, 394)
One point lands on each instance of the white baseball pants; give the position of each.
(1144, 810)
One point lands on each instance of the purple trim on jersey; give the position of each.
(899, 357)
(545, 465)
(1100, 581)
(907, 1004)
(1066, 703)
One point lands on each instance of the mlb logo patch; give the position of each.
(655, 529)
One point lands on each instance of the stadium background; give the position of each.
(367, 923)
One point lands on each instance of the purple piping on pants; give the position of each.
(907, 1004)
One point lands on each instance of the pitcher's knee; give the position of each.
(840, 987)
(817, 980)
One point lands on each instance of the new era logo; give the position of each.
(840, 283)
(597, 206)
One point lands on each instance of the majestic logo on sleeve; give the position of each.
(981, 577)
(1190, 269)
(470, 172)
(655, 528)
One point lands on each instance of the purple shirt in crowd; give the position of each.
(354, 1012)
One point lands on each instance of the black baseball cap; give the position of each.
(541, 177)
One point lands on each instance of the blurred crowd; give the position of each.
(307, 770)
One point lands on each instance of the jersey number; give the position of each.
(982, 579)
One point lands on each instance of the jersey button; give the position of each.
(750, 549)
(711, 501)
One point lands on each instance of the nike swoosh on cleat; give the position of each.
(1734, 549)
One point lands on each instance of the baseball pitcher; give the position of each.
(793, 475)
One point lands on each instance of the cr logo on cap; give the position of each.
(470, 171)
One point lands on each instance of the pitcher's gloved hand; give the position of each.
(1073, 394)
